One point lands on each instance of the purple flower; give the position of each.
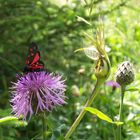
(113, 84)
(35, 92)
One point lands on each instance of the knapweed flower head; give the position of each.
(37, 92)
(125, 73)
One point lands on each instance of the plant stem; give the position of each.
(43, 126)
(83, 112)
(120, 111)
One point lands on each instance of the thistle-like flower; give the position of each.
(37, 92)
(112, 84)
(125, 73)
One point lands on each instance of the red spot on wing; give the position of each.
(36, 58)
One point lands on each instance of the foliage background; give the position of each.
(54, 27)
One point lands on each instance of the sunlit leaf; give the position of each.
(101, 115)
(8, 118)
(82, 19)
(11, 120)
(118, 123)
(132, 89)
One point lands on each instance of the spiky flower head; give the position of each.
(125, 73)
(37, 92)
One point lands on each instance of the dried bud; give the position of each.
(102, 69)
(125, 73)
(75, 90)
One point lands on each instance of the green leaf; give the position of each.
(82, 19)
(118, 123)
(132, 89)
(101, 115)
(8, 118)
(11, 120)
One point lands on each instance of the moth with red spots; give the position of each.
(33, 62)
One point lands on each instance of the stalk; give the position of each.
(120, 111)
(83, 112)
(43, 126)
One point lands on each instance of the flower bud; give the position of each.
(102, 69)
(125, 73)
(75, 90)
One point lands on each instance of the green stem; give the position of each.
(43, 126)
(120, 111)
(83, 112)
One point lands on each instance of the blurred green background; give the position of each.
(53, 25)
